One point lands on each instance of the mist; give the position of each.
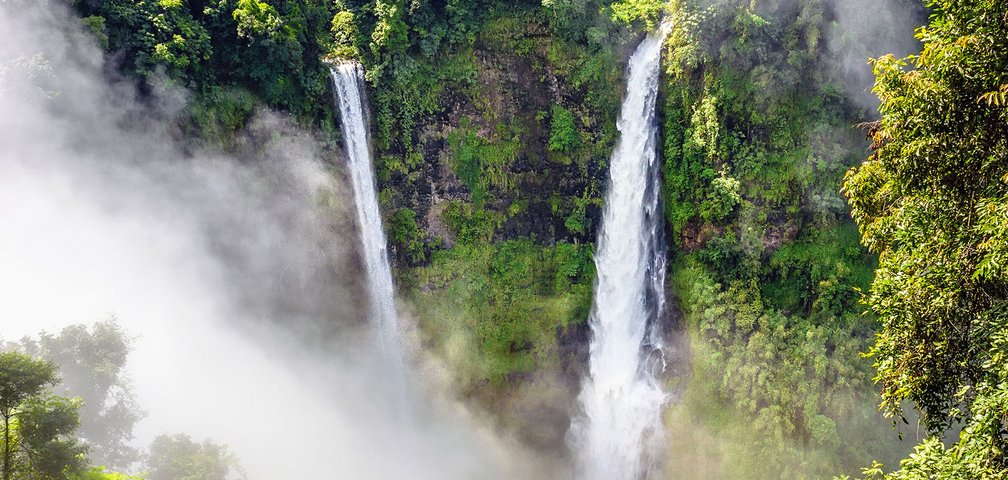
(867, 29)
(237, 274)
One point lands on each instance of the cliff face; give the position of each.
(522, 143)
(493, 197)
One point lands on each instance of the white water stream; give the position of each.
(348, 78)
(616, 436)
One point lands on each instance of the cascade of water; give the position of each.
(621, 397)
(348, 78)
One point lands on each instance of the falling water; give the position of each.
(348, 77)
(621, 397)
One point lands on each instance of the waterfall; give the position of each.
(621, 399)
(348, 79)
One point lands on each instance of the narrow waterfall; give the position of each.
(621, 399)
(348, 78)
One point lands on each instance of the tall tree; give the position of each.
(91, 363)
(22, 378)
(932, 201)
(47, 434)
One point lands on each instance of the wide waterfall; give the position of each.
(621, 398)
(348, 78)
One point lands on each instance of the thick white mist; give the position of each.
(69, 260)
(621, 398)
(348, 80)
(869, 29)
(223, 267)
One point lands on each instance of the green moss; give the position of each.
(481, 163)
(494, 310)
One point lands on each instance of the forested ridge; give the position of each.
(837, 259)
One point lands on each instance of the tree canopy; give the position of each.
(38, 428)
(91, 362)
(932, 202)
(178, 457)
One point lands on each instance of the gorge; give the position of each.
(535, 239)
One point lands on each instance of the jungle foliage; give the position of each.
(38, 427)
(66, 406)
(91, 363)
(220, 50)
(932, 202)
(758, 133)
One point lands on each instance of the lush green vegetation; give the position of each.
(495, 310)
(757, 137)
(932, 202)
(91, 362)
(37, 426)
(65, 406)
(223, 51)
